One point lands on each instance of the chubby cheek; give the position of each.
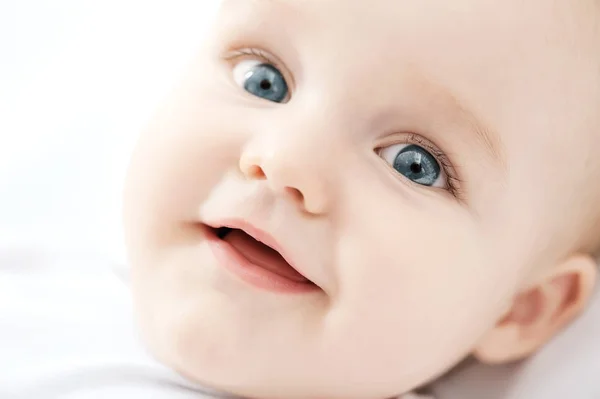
(421, 293)
(186, 151)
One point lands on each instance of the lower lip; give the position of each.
(253, 274)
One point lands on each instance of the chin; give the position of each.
(218, 363)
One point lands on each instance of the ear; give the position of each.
(540, 312)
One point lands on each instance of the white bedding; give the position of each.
(77, 82)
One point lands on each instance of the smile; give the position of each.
(255, 257)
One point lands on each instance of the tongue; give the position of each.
(262, 255)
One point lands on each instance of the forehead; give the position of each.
(404, 15)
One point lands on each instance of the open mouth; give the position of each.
(260, 254)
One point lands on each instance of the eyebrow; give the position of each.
(486, 137)
(281, 5)
(262, 12)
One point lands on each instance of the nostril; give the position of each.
(255, 172)
(295, 194)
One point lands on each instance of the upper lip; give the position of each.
(259, 235)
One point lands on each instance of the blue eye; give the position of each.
(415, 163)
(262, 80)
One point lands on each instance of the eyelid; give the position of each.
(453, 181)
(255, 53)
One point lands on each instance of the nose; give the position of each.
(292, 169)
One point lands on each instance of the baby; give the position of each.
(346, 198)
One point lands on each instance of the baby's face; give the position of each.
(413, 160)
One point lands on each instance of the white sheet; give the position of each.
(67, 332)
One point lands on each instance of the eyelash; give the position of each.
(261, 55)
(454, 183)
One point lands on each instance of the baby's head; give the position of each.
(430, 168)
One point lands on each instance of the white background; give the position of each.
(78, 79)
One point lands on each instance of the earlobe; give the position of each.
(540, 312)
